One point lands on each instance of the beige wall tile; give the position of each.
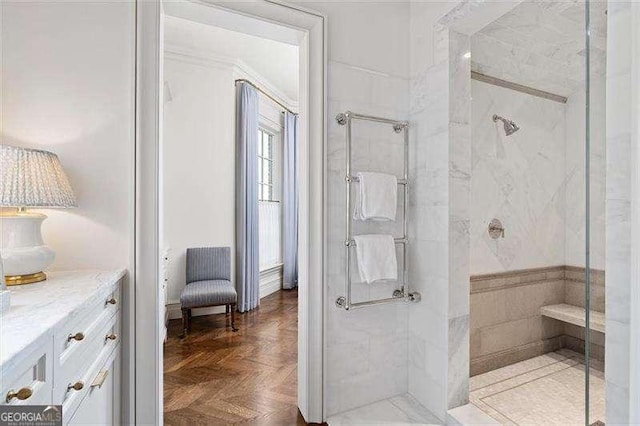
(505, 324)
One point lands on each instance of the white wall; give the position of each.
(198, 169)
(68, 87)
(199, 152)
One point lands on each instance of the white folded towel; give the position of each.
(376, 197)
(376, 257)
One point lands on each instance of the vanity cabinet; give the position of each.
(101, 405)
(61, 346)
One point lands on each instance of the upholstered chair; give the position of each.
(208, 283)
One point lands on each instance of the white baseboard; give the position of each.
(270, 282)
(270, 288)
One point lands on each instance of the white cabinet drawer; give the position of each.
(75, 366)
(101, 405)
(29, 379)
(83, 320)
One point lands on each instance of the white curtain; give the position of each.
(290, 201)
(270, 234)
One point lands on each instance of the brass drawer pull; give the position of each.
(22, 394)
(77, 337)
(76, 386)
(112, 301)
(100, 378)
(111, 336)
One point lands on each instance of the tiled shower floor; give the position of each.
(547, 389)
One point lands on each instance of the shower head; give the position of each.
(509, 126)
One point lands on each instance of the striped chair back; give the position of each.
(208, 263)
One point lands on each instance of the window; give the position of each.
(265, 166)
(269, 192)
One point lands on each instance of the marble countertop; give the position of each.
(37, 308)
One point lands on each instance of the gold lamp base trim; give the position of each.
(25, 279)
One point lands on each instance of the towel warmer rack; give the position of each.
(402, 294)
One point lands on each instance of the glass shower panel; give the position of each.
(595, 39)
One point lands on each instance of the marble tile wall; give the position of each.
(366, 349)
(574, 288)
(575, 212)
(429, 256)
(518, 179)
(533, 180)
(459, 218)
(541, 44)
(623, 17)
(439, 202)
(506, 326)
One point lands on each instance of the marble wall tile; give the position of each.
(459, 219)
(618, 336)
(574, 295)
(553, 188)
(359, 341)
(622, 18)
(516, 333)
(541, 46)
(439, 262)
(575, 212)
(426, 85)
(362, 389)
(459, 278)
(458, 362)
(429, 251)
(516, 179)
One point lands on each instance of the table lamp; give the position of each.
(30, 178)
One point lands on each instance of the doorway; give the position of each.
(258, 19)
(220, 365)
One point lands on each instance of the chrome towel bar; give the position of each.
(402, 294)
(352, 243)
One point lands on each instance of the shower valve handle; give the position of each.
(496, 230)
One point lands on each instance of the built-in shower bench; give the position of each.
(574, 315)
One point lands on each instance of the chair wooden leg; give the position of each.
(189, 321)
(233, 317)
(227, 308)
(185, 322)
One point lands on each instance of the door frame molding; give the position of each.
(148, 327)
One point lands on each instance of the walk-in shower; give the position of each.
(537, 303)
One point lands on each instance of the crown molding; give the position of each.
(239, 68)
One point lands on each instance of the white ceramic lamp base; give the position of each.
(24, 254)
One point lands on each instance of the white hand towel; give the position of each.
(376, 257)
(376, 197)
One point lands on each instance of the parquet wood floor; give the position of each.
(217, 377)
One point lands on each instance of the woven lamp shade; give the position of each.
(33, 178)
